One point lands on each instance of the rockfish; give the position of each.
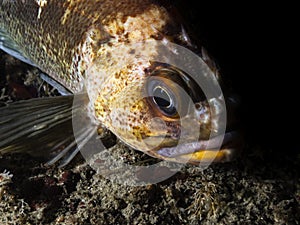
(117, 59)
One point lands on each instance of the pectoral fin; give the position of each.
(41, 127)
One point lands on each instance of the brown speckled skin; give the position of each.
(75, 41)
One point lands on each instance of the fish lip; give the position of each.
(212, 144)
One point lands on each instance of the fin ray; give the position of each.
(42, 127)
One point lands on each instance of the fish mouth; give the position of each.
(221, 148)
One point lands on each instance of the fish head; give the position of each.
(159, 109)
(156, 96)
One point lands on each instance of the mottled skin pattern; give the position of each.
(78, 41)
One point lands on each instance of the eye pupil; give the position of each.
(161, 97)
(163, 100)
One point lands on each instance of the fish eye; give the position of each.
(162, 97)
(164, 100)
(171, 91)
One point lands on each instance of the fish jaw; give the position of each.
(200, 156)
(222, 148)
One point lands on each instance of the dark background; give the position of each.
(252, 44)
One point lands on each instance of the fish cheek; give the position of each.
(123, 115)
(128, 114)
